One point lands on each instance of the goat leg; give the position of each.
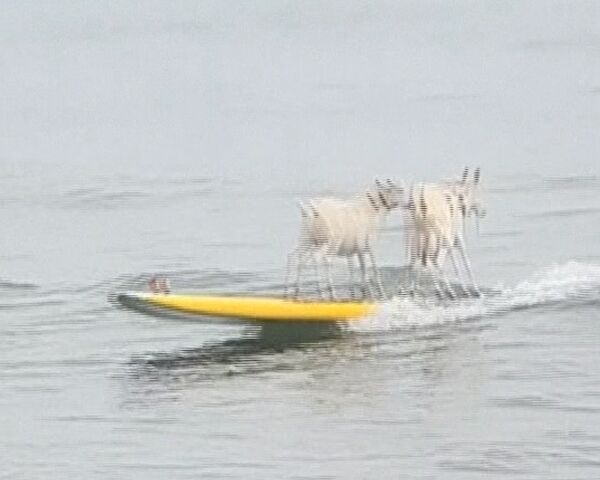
(467, 264)
(376, 273)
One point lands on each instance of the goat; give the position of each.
(343, 228)
(438, 218)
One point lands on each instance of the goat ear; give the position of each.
(303, 209)
(465, 175)
(477, 176)
(463, 207)
(313, 208)
(422, 204)
(448, 198)
(410, 204)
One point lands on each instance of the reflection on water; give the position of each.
(253, 352)
(273, 349)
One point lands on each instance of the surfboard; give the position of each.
(253, 308)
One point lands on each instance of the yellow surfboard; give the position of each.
(254, 308)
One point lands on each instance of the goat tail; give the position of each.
(304, 210)
(308, 209)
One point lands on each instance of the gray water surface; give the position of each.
(175, 138)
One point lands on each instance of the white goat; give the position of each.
(436, 227)
(343, 228)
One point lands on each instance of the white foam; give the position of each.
(561, 284)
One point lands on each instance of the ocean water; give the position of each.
(175, 138)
